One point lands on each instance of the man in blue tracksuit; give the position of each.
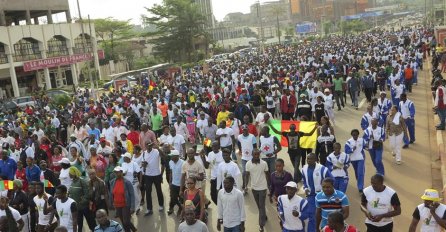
(384, 107)
(374, 137)
(354, 147)
(312, 174)
(338, 163)
(407, 110)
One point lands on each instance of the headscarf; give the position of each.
(74, 172)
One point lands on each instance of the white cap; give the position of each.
(118, 169)
(128, 155)
(64, 161)
(291, 184)
(174, 153)
(327, 90)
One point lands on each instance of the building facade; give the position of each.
(41, 56)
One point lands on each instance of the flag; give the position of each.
(47, 184)
(207, 142)
(303, 126)
(152, 85)
(6, 185)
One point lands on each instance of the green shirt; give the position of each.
(79, 192)
(338, 84)
(157, 121)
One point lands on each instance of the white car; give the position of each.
(22, 102)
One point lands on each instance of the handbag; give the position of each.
(377, 144)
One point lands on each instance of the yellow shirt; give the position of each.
(222, 116)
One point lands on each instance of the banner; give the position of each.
(52, 62)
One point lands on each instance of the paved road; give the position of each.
(409, 179)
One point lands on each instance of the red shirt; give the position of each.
(348, 228)
(133, 137)
(252, 129)
(21, 175)
(119, 193)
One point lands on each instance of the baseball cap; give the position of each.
(302, 95)
(5, 146)
(431, 195)
(291, 184)
(102, 140)
(245, 127)
(174, 153)
(118, 169)
(326, 90)
(73, 136)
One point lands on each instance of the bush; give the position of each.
(60, 101)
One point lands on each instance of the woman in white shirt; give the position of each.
(132, 172)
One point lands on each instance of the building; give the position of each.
(35, 56)
(205, 7)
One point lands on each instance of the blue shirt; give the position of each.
(176, 171)
(329, 204)
(95, 132)
(113, 227)
(8, 168)
(32, 173)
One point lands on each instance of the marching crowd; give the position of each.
(61, 164)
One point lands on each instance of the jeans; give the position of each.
(126, 218)
(232, 229)
(295, 160)
(271, 162)
(155, 180)
(174, 196)
(410, 124)
(408, 85)
(260, 198)
(341, 184)
(377, 159)
(359, 167)
(442, 116)
(338, 95)
(88, 216)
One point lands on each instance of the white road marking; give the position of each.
(363, 101)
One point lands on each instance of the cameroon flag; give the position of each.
(152, 85)
(303, 126)
(47, 184)
(207, 142)
(6, 185)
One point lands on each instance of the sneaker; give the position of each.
(161, 208)
(170, 211)
(399, 162)
(440, 128)
(138, 211)
(148, 212)
(406, 146)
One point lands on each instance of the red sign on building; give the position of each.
(58, 61)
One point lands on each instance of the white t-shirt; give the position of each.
(247, 145)
(64, 211)
(226, 140)
(165, 138)
(153, 160)
(201, 124)
(260, 119)
(177, 142)
(257, 175)
(129, 169)
(214, 159)
(15, 214)
(40, 203)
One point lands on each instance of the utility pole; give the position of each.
(84, 44)
(259, 14)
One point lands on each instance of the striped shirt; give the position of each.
(329, 204)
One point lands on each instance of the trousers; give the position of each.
(341, 184)
(148, 182)
(410, 124)
(376, 156)
(311, 199)
(359, 167)
(396, 142)
(260, 198)
(174, 196)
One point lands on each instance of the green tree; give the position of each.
(180, 25)
(111, 30)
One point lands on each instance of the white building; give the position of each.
(34, 56)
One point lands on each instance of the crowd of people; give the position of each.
(100, 158)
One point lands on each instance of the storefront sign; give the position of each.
(58, 61)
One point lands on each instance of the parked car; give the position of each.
(131, 79)
(22, 102)
(9, 106)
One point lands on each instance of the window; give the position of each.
(27, 49)
(57, 46)
(79, 44)
(3, 57)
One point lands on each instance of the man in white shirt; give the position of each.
(108, 132)
(152, 171)
(246, 143)
(257, 170)
(65, 208)
(214, 158)
(202, 122)
(4, 201)
(231, 207)
(261, 119)
(225, 135)
(181, 127)
(293, 209)
(228, 168)
(177, 142)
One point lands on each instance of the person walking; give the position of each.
(338, 83)
(246, 143)
(152, 175)
(191, 223)
(79, 191)
(440, 104)
(330, 200)
(380, 204)
(288, 105)
(293, 209)
(65, 208)
(312, 175)
(354, 148)
(175, 165)
(374, 136)
(123, 199)
(431, 213)
(19, 201)
(257, 171)
(384, 105)
(338, 163)
(269, 147)
(105, 224)
(231, 207)
(407, 110)
(336, 223)
(395, 131)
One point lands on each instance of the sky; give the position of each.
(132, 9)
